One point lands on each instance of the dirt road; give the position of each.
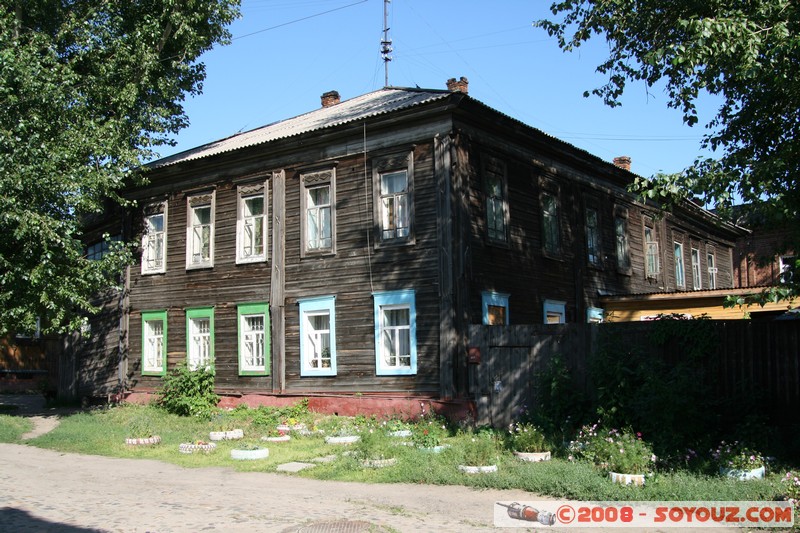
(47, 491)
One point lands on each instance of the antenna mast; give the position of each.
(386, 43)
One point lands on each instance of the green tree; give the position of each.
(747, 53)
(88, 90)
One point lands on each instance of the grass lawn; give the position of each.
(103, 432)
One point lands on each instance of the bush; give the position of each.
(189, 393)
(623, 452)
(525, 437)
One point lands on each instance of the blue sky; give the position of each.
(286, 53)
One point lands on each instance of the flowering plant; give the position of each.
(624, 452)
(480, 450)
(737, 456)
(792, 481)
(525, 437)
(429, 430)
(424, 437)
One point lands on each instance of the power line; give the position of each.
(298, 20)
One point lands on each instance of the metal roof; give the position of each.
(367, 105)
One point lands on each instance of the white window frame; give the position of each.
(244, 222)
(621, 242)
(711, 262)
(195, 359)
(385, 166)
(652, 264)
(494, 299)
(550, 224)
(154, 363)
(594, 251)
(555, 307)
(150, 239)
(313, 180)
(248, 337)
(494, 170)
(388, 301)
(311, 362)
(680, 271)
(194, 258)
(697, 277)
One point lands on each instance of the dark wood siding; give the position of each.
(360, 268)
(222, 287)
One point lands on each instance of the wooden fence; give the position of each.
(747, 361)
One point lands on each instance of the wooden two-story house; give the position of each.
(344, 252)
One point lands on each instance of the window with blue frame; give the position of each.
(318, 336)
(594, 315)
(495, 308)
(395, 333)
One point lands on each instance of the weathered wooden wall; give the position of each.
(754, 360)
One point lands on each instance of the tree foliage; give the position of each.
(88, 90)
(746, 52)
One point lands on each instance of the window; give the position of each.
(318, 336)
(154, 239)
(393, 186)
(154, 343)
(200, 338)
(395, 222)
(554, 312)
(680, 277)
(254, 345)
(651, 253)
(697, 279)
(787, 266)
(395, 333)
(550, 227)
(98, 250)
(319, 220)
(251, 230)
(594, 315)
(494, 172)
(495, 308)
(621, 242)
(593, 237)
(200, 232)
(712, 270)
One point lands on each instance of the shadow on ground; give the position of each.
(18, 520)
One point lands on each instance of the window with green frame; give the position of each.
(154, 343)
(200, 338)
(254, 344)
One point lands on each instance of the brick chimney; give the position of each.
(330, 98)
(623, 162)
(462, 85)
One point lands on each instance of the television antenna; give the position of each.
(386, 43)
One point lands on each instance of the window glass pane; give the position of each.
(200, 343)
(393, 182)
(550, 221)
(253, 342)
(202, 215)
(394, 205)
(318, 340)
(254, 206)
(592, 237)
(318, 196)
(497, 315)
(154, 345)
(621, 232)
(679, 275)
